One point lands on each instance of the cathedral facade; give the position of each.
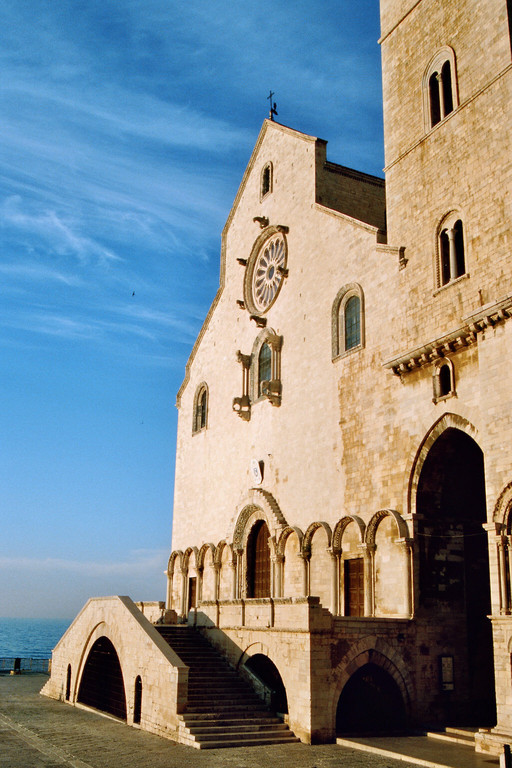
(342, 515)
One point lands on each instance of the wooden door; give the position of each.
(354, 587)
(258, 561)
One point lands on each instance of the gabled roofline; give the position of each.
(267, 125)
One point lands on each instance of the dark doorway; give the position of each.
(192, 592)
(370, 702)
(258, 561)
(137, 700)
(354, 586)
(102, 684)
(454, 570)
(266, 671)
(68, 683)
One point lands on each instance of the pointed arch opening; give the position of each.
(453, 562)
(371, 702)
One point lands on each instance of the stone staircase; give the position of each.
(222, 709)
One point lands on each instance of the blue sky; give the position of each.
(125, 130)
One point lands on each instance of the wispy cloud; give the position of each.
(137, 562)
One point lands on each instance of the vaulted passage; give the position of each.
(258, 561)
(102, 684)
(454, 571)
(266, 671)
(370, 702)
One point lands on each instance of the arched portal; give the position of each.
(258, 561)
(454, 565)
(266, 671)
(370, 702)
(102, 684)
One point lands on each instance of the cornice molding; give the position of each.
(487, 316)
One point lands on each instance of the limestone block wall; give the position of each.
(141, 651)
(326, 250)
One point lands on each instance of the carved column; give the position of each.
(452, 252)
(199, 597)
(279, 566)
(406, 545)
(216, 573)
(369, 578)
(168, 598)
(184, 575)
(242, 405)
(334, 582)
(501, 543)
(305, 575)
(440, 84)
(238, 590)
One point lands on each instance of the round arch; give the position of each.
(258, 659)
(283, 538)
(260, 505)
(101, 684)
(371, 530)
(502, 508)
(341, 526)
(308, 536)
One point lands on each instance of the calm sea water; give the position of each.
(30, 638)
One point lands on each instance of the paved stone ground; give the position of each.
(36, 732)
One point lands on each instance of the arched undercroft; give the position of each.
(265, 670)
(102, 685)
(363, 653)
(371, 702)
(258, 658)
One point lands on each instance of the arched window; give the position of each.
(264, 366)
(200, 419)
(266, 180)
(444, 380)
(347, 320)
(439, 88)
(352, 322)
(451, 251)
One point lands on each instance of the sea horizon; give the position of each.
(30, 638)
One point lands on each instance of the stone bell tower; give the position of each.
(447, 84)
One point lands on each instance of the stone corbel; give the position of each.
(272, 391)
(242, 405)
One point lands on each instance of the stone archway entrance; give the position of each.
(266, 671)
(453, 561)
(370, 702)
(102, 684)
(258, 561)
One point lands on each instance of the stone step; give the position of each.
(212, 718)
(222, 709)
(238, 727)
(226, 709)
(238, 740)
(454, 736)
